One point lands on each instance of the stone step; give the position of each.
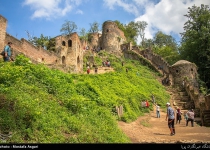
(206, 114)
(207, 120)
(197, 119)
(181, 103)
(185, 98)
(184, 110)
(206, 111)
(178, 97)
(206, 124)
(180, 100)
(182, 93)
(206, 117)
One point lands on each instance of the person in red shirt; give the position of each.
(88, 70)
(147, 103)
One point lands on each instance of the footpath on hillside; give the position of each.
(150, 129)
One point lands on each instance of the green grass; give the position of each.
(40, 105)
(145, 123)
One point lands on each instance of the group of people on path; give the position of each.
(88, 69)
(170, 117)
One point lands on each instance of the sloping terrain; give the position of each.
(150, 129)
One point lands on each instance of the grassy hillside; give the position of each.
(40, 105)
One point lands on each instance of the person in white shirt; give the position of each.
(190, 115)
(157, 110)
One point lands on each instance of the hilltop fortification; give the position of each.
(69, 53)
(69, 49)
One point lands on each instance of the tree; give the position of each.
(162, 39)
(120, 25)
(30, 37)
(94, 27)
(51, 45)
(131, 32)
(166, 47)
(83, 35)
(195, 41)
(68, 27)
(148, 43)
(41, 41)
(140, 27)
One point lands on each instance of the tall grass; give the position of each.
(40, 105)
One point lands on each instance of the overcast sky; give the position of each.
(47, 16)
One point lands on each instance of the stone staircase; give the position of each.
(206, 118)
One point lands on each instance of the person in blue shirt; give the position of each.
(7, 52)
(170, 116)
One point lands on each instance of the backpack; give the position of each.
(3, 53)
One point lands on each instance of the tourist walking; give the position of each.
(153, 98)
(170, 116)
(157, 110)
(190, 115)
(178, 115)
(96, 69)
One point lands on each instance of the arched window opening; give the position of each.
(63, 60)
(64, 43)
(69, 43)
(192, 69)
(78, 60)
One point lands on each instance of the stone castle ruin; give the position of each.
(70, 50)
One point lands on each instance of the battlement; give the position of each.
(2, 19)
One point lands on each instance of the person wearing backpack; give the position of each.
(178, 115)
(170, 117)
(7, 52)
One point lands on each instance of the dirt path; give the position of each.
(101, 70)
(149, 129)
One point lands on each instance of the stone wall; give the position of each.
(156, 59)
(95, 41)
(126, 46)
(207, 102)
(3, 26)
(36, 54)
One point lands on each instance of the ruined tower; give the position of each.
(183, 69)
(71, 52)
(112, 37)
